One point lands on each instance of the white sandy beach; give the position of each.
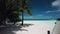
(35, 27)
(38, 27)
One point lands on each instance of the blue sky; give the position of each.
(44, 9)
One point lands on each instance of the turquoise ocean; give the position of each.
(38, 20)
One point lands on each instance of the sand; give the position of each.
(38, 27)
(33, 27)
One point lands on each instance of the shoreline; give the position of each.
(38, 20)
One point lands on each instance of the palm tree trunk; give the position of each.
(23, 3)
(22, 18)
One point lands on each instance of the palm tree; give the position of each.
(13, 7)
(24, 8)
(10, 9)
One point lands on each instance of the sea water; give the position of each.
(40, 20)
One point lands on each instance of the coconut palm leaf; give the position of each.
(27, 11)
(16, 6)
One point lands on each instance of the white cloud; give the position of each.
(28, 17)
(48, 11)
(31, 17)
(56, 3)
(54, 11)
(39, 15)
(57, 10)
(47, 17)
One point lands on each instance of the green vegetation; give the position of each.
(13, 9)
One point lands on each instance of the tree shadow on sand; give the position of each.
(9, 30)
